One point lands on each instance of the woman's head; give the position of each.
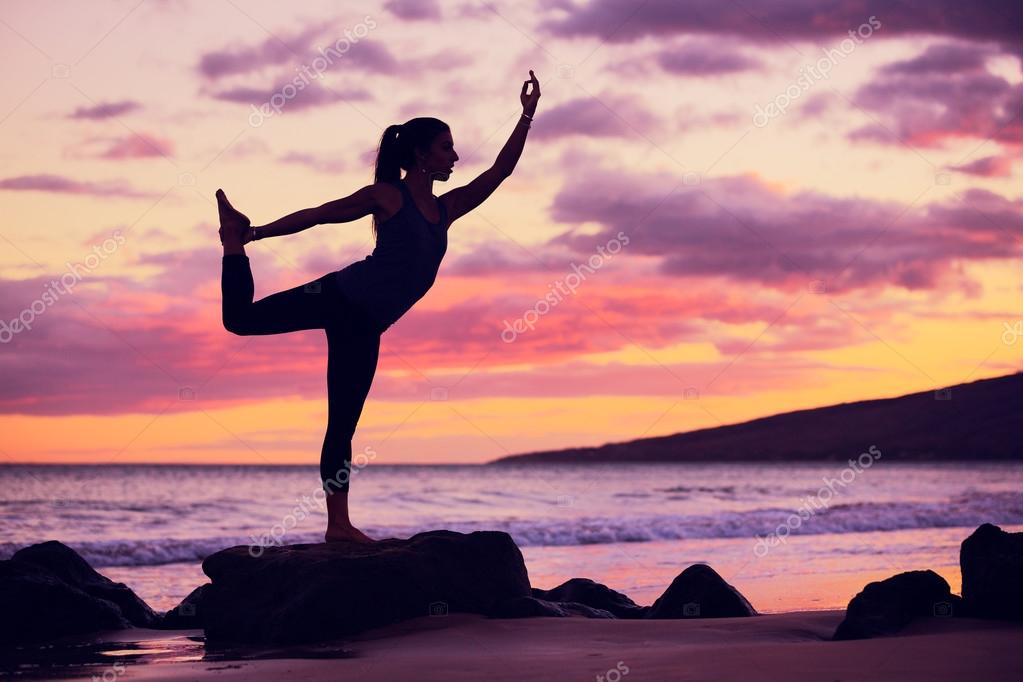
(419, 145)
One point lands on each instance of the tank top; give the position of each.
(402, 266)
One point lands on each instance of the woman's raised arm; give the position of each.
(461, 200)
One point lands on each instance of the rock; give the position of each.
(36, 605)
(531, 607)
(699, 592)
(188, 614)
(885, 607)
(68, 566)
(304, 593)
(594, 595)
(991, 561)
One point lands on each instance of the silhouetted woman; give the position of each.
(357, 304)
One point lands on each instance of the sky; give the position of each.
(724, 210)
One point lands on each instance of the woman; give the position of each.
(357, 304)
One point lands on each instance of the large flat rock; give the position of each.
(302, 593)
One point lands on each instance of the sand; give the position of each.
(788, 646)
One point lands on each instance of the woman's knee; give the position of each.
(236, 324)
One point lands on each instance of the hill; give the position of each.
(978, 420)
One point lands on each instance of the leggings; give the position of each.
(353, 346)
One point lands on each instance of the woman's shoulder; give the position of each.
(389, 199)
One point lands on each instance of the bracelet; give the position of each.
(527, 116)
(255, 235)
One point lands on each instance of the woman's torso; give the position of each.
(404, 263)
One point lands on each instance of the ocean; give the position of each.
(788, 536)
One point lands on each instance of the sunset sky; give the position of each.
(780, 215)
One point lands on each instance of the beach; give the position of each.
(785, 646)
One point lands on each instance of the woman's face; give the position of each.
(441, 157)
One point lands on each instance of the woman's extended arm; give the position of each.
(289, 224)
(354, 206)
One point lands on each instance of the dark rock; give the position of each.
(67, 565)
(187, 615)
(991, 561)
(593, 595)
(531, 607)
(699, 592)
(885, 607)
(37, 605)
(302, 593)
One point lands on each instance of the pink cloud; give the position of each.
(622, 21)
(943, 93)
(310, 96)
(737, 227)
(414, 9)
(46, 182)
(322, 46)
(604, 115)
(988, 167)
(138, 146)
(275, 50)
(705, 58)
(105, 110)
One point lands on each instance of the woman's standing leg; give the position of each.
(353, 348)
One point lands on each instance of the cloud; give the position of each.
(138, 146)
(319, 47)
(943, 59)
(414, 9)
(605, 115)
(57, 183)
(697, 57)
(105, 110)
(944, 93)
(740, 228)
(120, 343)
(704, 58)
(622, 21)
(311, 95)
(276, 50)
(988, 167)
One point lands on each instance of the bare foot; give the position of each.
(235, 226)
(349, 534)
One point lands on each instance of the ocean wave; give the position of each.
(965, 511)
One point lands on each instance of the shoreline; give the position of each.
(791, 646)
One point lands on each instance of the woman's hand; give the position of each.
(233, 223)
(529, 101)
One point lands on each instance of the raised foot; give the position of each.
(346, 535)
